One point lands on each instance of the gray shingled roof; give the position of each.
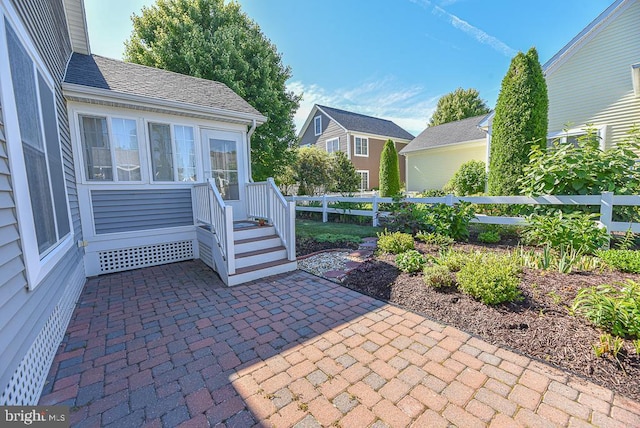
(127, 78)
(368, 124)
(446, 134)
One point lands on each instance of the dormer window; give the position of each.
(317, 125)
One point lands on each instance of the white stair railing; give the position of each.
(264, 200)
(210, 209)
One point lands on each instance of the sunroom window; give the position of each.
(173, 154)
(103, 147)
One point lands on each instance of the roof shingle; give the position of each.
(133, 79)
(447, 134)
(367, 124)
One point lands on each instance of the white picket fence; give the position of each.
(606, 201)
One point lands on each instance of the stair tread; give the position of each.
(259, 238)
(258, 252)
(262, 266)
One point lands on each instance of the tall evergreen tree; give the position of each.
(389, 170)
(457, 105)
(214, 39)
(520, 122)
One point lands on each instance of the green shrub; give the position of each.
(450, 221)
(395, 242)
(577, 230)
(454, 260)
(410, 261)
(492, 281)
(622, 260)
(435, 239)
(405, 217)
(564, 260)
(335, 237)
(489, 237)
(438, 276)
(469, 179)
(432, 193)
(389, 170)
(615, 309)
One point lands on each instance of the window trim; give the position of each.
(317, 123)
(355, 146)
(37, 266)
(364, 171)
(562, 135)
(332, 141)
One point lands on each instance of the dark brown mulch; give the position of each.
(306, 246)
(539, 326)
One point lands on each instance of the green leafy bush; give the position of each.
(395, 242)
(405, 217)
(577, 230)
(489, 237)
(432, 193)
(410, 261)
(455, 260)
(564, 260)
(469, 179)
(438, 276)
(435, 239)
(389, 170)
(344, 178)
(615, 309)
(493, 280)
(450, 221)
(335, 237)
(622, 260)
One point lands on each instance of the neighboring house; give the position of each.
(361, 137)
(595, 78)
(436, 154)
(107, 166)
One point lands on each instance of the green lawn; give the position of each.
(310, 228)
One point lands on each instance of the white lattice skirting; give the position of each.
(149, 255)
(26, 383)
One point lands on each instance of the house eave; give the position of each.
(77, 25)
(90, 95)
(471, 143)
(379, 137)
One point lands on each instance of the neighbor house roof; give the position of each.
(366, 124)
(117, 78)
(447, 134)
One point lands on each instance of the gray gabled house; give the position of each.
(361, 137)
(108, 166)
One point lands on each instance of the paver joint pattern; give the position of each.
(170, 346)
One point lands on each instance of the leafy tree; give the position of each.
(345, 178)
(389, 170)
(312, 171)
(469, 179)
(457, 105)
(217, 41)
(520, 122)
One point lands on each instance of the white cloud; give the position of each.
(408, 107)
(462, 25)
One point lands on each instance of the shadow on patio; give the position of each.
(169, 345)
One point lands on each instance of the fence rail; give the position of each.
(606, 201)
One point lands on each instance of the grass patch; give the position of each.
(311, 229)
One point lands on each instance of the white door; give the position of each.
(225, 163)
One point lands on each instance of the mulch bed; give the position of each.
(539, 326)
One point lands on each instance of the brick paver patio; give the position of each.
(169, 346)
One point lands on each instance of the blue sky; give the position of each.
(386, 58)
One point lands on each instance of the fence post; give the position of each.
(325, 214)
(606, 211)
(448, 199)
(374, 208)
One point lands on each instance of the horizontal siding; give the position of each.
(594, 85)
(23, 313)
(130, 210)
(432, 169)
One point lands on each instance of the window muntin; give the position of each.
(364, 180)
(317, 125)
(37, 124)
(173, 156)
(361, 146)
(333, 145)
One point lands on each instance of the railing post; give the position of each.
(448, 199)
(228, 234)
(325, 214)
(291, 227)
(606, 211)
(374, 208)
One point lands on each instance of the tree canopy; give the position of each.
(217, 41)
(520, 122)
(457, 105)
